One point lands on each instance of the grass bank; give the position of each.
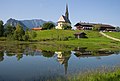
(98, 75)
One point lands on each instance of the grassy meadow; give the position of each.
(62, 39)
(114, 34)
(94, 41)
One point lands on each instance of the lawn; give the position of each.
(114, 34)
(94, 41)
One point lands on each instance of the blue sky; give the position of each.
(98, 11)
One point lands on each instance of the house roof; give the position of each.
(91, 24)
(64, 19)
(83, 23)
(40, 28)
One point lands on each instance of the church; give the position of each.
(64, 20)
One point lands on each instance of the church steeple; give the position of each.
(67, 13)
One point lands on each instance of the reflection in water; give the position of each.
(50, 65)
(63, 58)
(81, 52)
(48, 54)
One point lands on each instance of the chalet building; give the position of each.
(80, 35)
(84, 26)
(64, 20)
(90, 26)
(108, 28)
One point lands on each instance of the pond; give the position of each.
(26, 63)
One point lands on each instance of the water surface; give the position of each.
(26, 63)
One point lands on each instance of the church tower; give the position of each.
(64, 20)
(67, 13)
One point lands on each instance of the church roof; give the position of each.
(64, 19)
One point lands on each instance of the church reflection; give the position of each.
(63, 58)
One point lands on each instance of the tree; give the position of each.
(19, 32)
(1, 28)
(48, 25)
(48, 54)
(66, 27)
(9, 30)
(118, 29)
(96, 27)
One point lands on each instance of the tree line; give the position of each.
(49, 25)
(16, 33)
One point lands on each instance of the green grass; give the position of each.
(56, 34)
(53, 34)
(114, 34)
(99, 75)
(95, 41)
(62, 39)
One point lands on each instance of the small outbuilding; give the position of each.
(37, 28)
(80, 35)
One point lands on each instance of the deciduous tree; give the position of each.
(9, 30)
(19, 32)
(96, 27)
(48, 25)
(66, 27)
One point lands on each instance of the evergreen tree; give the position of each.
(1, 28)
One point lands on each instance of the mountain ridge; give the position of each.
(26, 23)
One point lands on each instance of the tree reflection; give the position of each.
(19, 56)
(81, 52)
(9, 54)
(48, 54)
(1, 56)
